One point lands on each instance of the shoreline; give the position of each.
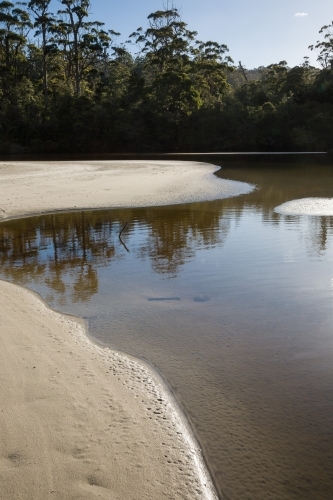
(133, 381)
(169, 458)
(32, 188)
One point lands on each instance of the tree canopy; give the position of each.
(68, 86)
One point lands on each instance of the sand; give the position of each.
(79, 421)
(307, 206)
(28, 188)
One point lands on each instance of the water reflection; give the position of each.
(229, 300)
(51, 248)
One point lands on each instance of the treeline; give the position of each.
(67, 86)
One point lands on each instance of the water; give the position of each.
(230, 301)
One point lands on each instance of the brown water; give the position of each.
(231, 302)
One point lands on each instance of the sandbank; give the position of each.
(307, 206)
(36, 187)
(79, 421)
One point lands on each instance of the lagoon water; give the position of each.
(228, 300)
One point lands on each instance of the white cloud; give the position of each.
(301, 14)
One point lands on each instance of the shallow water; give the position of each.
(230, 301)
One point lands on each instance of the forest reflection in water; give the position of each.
(50, 248)
(245, 337)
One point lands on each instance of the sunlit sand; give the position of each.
(307, 206)
(29, 187)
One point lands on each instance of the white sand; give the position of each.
(78, 421)
(306, 206)
(29, 187)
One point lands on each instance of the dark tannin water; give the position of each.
(231, 302)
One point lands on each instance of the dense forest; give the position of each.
(68, 86)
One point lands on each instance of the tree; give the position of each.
(76, 11)
(210, 68)
(167, 41)
(181, 72)
(325, 47)
(43, 22)
(84, 41)
(14, 26)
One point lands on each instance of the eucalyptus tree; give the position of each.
(14, 27)
(325, 47)
(44, 23)
(167, 41)
(211, 67)
(86, 42)
(167, 47)
(76, 11)
(182, 74)
(94, 51)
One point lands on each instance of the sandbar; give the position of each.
(37, 187)
(307, 206)
(77, 420)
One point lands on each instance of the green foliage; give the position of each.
(167, 41)
(77, 90)
(325, 47)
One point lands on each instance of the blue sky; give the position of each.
(257, 32)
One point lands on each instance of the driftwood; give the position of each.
(121, 241)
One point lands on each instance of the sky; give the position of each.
(257, 32)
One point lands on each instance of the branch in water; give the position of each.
(121, 241)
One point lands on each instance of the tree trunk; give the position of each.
(46, 97)
(76, 53)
